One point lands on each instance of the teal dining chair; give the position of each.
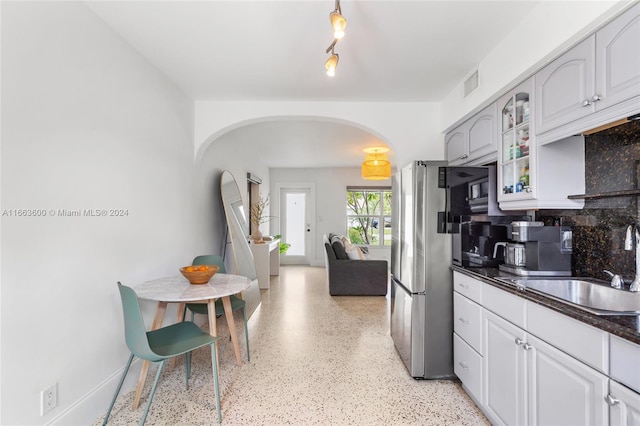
(161, 344)
(236, 302)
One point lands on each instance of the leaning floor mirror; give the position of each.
(242, 258)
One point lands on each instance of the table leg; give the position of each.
(213, 328)
(228, 313)
(157, 322)
(181, 308)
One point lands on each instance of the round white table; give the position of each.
(177, 289)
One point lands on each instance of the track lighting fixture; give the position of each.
(338, 23)
(332, 62)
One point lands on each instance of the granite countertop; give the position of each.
(624, 326)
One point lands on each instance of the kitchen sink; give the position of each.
(591, 295)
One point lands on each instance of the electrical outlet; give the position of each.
(48, 399)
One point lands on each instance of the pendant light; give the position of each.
(376, 165)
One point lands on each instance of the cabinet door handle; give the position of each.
(611, 400)
(463, 285)
(463, 157)
(595, 98)
(463, 365)
(464, 321)
(527, 347)
(519, 341)
(585, 103)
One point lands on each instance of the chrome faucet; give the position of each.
(633, 236)
(616, 280)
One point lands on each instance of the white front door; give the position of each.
(296, 225)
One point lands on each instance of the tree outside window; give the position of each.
(369, 216)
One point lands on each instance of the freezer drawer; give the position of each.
(407, 330)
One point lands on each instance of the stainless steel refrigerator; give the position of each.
(421, 286)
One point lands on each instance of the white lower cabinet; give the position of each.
(548, 369)
(625, 362)
(504, 367)
(529, 382)
(467, 336)
(624, 404)
(468, 321)
(468, 368)
(563, 390)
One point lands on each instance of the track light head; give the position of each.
(331, 64)
(338, 23)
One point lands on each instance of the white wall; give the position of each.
(331, 197)
(222, 155)
(551, 28)
(411, 129)
(87, 124)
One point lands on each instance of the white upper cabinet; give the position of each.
(594, 83)
(564, 88)
(531, 176)
(456, 146)
(517, 172)
(474, 141)
(618, 60)
(483, 133)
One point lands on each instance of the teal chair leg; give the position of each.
(153, 391)
(216, 386)
(187, 366)
(126, 370)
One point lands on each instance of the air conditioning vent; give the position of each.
(471, 83)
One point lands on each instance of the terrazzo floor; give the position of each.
(315, 360)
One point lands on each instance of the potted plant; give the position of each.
(283, 246)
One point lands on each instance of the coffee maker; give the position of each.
(475, 244)
(537, 250)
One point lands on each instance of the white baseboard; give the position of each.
(95, 403)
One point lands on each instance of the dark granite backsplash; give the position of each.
(612, 164)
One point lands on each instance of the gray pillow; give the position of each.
(338, 248)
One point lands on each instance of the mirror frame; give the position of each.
(237, 226)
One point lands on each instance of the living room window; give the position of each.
(369, 215)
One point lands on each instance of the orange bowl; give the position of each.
(199, 274)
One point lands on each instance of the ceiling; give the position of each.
(393, 51)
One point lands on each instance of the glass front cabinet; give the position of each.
(532, 175)
(516, 180)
